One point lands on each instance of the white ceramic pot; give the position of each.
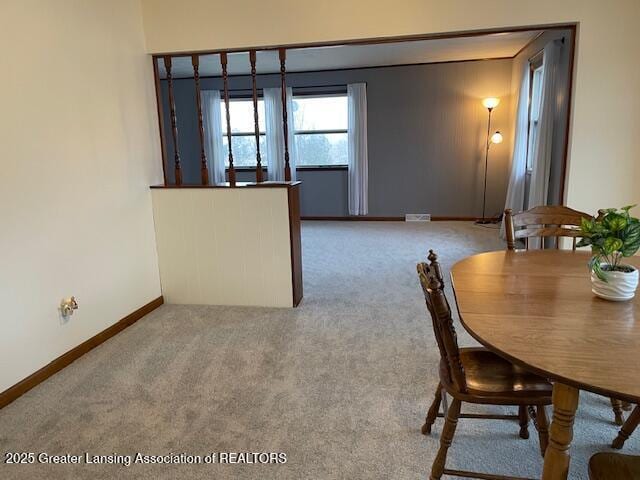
(620, 286)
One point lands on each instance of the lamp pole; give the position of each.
(486, 166)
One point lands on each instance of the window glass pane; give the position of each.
(320, 113)
(536, 94)
(322, 148)
(534, 115)
(242, 116)
(244, 151)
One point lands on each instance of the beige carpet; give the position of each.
(340, 384)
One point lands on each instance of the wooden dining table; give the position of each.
(536, 309)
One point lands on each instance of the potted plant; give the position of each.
(615, 234)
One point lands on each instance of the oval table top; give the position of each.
(536, 309)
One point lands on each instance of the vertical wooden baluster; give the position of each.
(526, 243)
(252, 59)
(225, 81)
(541, 242)
(204, 169)
(283, 85)
(161, 125)
(174, 124)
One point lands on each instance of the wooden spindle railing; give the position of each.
(225, 82)
(254, 91)
(161, 125)
(204, 169)
(174, 123)
(282, 53)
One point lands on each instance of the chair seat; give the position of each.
(488, 374)
(614, 466)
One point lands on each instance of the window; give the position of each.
(320, 128)
(535, 95)
(243, 138)
(320, 124)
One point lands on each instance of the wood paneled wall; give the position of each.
(225, 246)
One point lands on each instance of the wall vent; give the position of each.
(417, 217)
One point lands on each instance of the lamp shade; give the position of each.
(496, 137)
(490, 102)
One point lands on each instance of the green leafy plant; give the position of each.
(613, 235)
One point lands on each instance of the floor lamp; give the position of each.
(490, 104)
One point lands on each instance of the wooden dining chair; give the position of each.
(474, 375)
(543, 222)
(614, 466)
(627, 428)
(550, 222)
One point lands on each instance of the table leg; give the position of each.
(556, 458)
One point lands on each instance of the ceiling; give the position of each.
(495, 45)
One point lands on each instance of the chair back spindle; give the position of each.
(431, 280)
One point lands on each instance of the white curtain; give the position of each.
(275, 134)
(542, 148)
(517, 178)
(357, 144)
(213, 146)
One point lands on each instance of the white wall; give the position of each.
(224, 246)
(78, 135)
(606, 113)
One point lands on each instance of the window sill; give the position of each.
(300, 168)
(312, 168)
(244, 169)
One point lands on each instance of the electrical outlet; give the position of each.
(67, 306)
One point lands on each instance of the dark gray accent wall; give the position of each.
(427, 130)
